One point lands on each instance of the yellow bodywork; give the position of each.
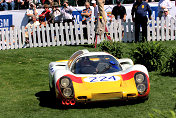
(94, 91)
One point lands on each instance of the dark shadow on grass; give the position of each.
(46, 100)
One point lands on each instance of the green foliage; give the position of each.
(170, 65)
(114, 48)
(150, 54)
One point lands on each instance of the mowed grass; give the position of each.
(24, 90)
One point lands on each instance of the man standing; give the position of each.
(86, 13)
(119, 12)
(95, 10)
(163, 4)
(140, 9)
(66, 12)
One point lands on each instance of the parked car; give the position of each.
(97, 76)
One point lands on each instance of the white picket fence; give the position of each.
(69, 34)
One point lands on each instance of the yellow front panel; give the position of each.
(105, 90)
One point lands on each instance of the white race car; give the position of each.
(96, 76)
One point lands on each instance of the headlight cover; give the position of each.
(139, 78)
(65, 82)
(141, 82)
(141, 88)
(67, 92)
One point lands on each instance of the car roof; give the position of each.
(94, 53)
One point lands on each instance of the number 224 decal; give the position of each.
(102, 79)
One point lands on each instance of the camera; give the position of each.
(65, 5)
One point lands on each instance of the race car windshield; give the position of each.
(99, 64)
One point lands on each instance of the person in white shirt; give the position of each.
(96, 12)
(34, 23)
(163, 4)
(55, 14)
(66, 12)
(32, 11)
(167, 16)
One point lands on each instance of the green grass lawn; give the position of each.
(24, 90)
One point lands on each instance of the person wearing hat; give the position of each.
(66, 12)
(119, 12)
(95, 10)
(139, 10)
(46, 13)
(55, 13)
(163, 4)
(167, 15)
(32, 11)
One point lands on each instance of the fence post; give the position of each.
(11, 38)
(67, 34)
(57, 35)
(129, 30)
(38, 36)
(7, 39)
(19, 38)
(76, 33)
(81, 30)
(115, 30)
(29, 36)
(48, 35)
(162, 29)
(172, 29)
(62, 34)
(153, 30)
(125, 38)
(23, 37)
(52, 39)
(167, 28)
(15, 39)
(43, 36)
(34, 37)
(120, 29)
(92, 31)
(158, 29)
(71, 31)
(3, 39)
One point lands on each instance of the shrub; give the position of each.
(149, 54)
(114, 48)
(170, 65)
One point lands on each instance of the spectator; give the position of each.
(4, 5)
(55, 14)
(18, 4)
(86, 17)
(46, 13)
(32, 11)
(42, 21)
(96, 12)
(10, 4)
(119, 12)
(66, 12)
(163, 4)
(140, 9)
(86, 13)
(167, 15)
(22, 4)
(34, 23)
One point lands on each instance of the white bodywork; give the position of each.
(61, 68)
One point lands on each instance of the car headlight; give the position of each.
(141, 88)
(67, 92)
(65, 82)
(139, 78)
